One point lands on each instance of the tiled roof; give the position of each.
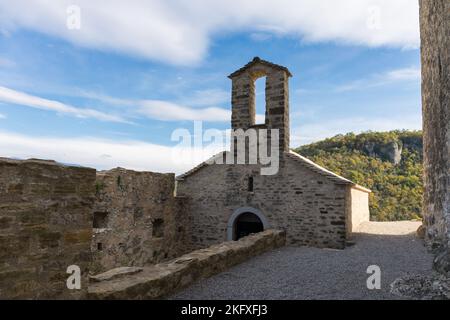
(257, 60)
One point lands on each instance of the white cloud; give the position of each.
(315, 131)
(260, 119)
(163, 110)
(2, 116)
(172, 111)
(103, 98)
(208, 97)
(139, 155)
(180, 31)
(260, 36)
(103, 154)
(406, 74)
(7, 63)
(412, 74)
(20, 98)
(152, 109)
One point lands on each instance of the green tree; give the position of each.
(396, 188)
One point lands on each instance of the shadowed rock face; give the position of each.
(435, 37)
(391, 151)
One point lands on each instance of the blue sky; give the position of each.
(112, 92)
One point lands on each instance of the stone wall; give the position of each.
(308, 206)
(137, 220)
(276, 98)
(435, 44)
(45, 226)
(309, 202)
(358, 204)
(166, 278)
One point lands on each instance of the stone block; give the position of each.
(161, 280)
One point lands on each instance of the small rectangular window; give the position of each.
(158, 228)
(99, 246)
(100, 220)
(250, 184)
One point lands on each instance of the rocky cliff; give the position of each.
(386, 146)
(389, 163)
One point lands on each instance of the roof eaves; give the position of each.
(255, 61)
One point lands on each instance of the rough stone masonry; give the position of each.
(45, 226)
(53, 216)
(313, 205)
(435, 54)
(160, 280)
(435, 37)
(137, 220)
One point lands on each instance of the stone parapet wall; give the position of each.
(45, 226)
(53, 216)
(164, 279)
(137, 220)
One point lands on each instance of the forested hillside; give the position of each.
(388, 163)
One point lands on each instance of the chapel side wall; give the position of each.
(310, 208)
(45, 227)
(145, 223)
(359, 208)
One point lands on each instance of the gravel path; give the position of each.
(309, 273)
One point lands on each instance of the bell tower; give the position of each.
(276, 98)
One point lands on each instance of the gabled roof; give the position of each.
(292, 155)
(318, 169)
(201, 165)
(255, 61)
(321, 170)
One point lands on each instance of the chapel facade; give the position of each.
(314, 206)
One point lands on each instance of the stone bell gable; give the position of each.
(277, 98)
(315, 206)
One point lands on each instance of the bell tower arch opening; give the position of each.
(261, 88)
(260, 101)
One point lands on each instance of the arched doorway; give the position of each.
(246, 224)
(245, 221)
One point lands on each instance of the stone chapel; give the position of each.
(314, 206)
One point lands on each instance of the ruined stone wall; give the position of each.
(308, 206)
(45, 226)
(435, 44)
(137, 220)
(161, 280)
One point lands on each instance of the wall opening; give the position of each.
(250, 184)
(158, 228)
(246, 224)
(100, 246)
(100, 220)
(260, 100)
(238, 216)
